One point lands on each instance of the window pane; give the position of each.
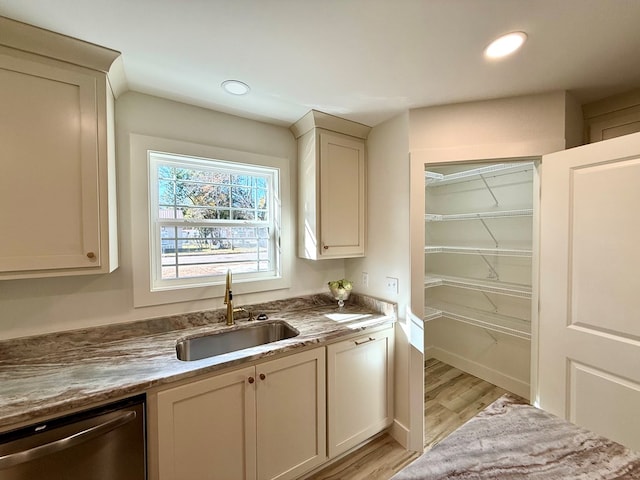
(241, 197)
(204, 213)
(261, 199)
(169, 273)
(168, 212)
(166, 195)
(241, 180)
(166, 172)
(243, 215)
(168, 236)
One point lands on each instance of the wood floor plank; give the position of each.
(378, 460)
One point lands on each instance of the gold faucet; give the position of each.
(228, 301)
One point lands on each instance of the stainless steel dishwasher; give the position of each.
(105, 443)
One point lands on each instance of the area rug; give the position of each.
(509, 440)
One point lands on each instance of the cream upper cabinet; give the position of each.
(359, 389)
(332, 187)
(57, 188)
(261, 422)
(612, 116)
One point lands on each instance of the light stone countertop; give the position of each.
(511, 440)
(48, 375)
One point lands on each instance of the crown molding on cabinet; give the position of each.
(611, 104)
(31, 39)
(316, 119)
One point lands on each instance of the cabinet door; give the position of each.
(206, 429)
(49, 182)
(615, 126)
(291, 416)
(360, 389)
(342, 196)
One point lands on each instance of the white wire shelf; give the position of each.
(504, 252)
(431, 314)
(495, 322)
(487, 286)
(523, 212)
(434, 179)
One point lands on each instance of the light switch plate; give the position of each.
(392, 285)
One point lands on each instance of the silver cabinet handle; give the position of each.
(7, 461)
(370, 339)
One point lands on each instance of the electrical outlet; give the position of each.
(392, 285)
(365, 279)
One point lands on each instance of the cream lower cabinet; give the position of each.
(262, 422)
(359, 389)
(206, 429)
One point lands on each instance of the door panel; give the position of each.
(603, 255)
(590, 388)
(589, 339)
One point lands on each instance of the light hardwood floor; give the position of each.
(451, 398)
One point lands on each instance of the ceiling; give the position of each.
(364, 60)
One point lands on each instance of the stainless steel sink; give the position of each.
(218, 343)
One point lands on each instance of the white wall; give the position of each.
(476, 130)
(388, 237)
(387, 241)
(34, 306)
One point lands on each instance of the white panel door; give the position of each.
(589, 337)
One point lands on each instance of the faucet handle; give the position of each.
(227, 290)
(248, 312)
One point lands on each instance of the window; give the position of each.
(208, 216)
(189, 221)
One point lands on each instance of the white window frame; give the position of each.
(147, 292)
(156, 159)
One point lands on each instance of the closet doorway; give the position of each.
(475, 275)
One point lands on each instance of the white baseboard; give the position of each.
(479, 370)
(400, 433)
(428, 351)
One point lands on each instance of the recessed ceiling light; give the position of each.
(235, 87)
(505, 45)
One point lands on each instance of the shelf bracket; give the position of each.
(486, 227)
(489, 188)
(494, 273)
(495, 340)
(495, 307)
